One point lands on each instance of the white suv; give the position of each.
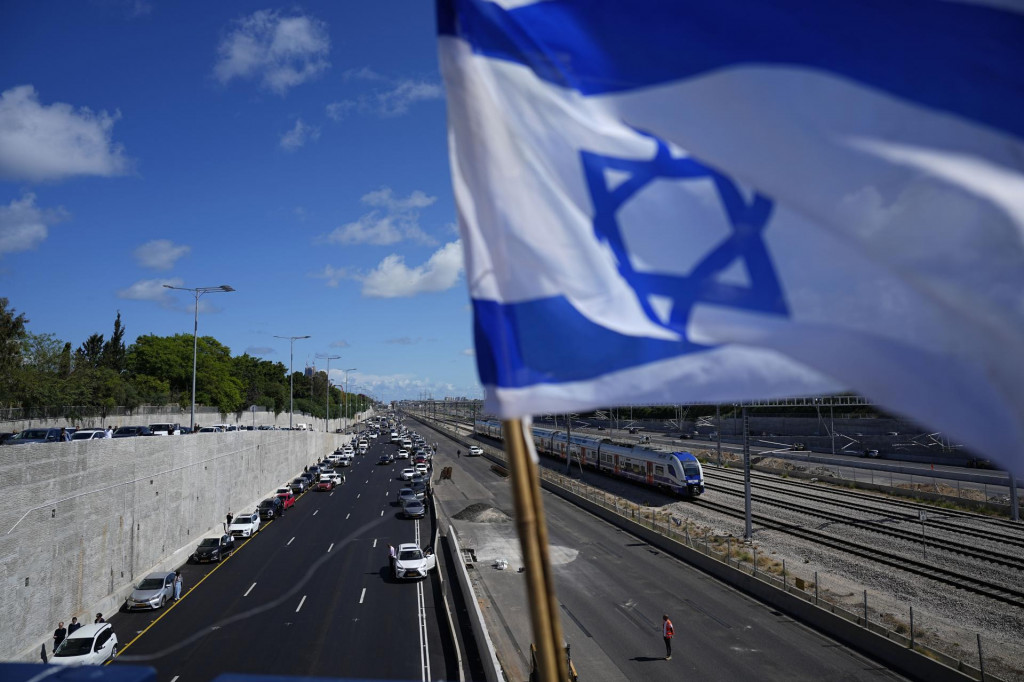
(245, 524)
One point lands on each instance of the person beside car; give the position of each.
(59, 635)
(73, 625)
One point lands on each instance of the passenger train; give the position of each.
(679, 472)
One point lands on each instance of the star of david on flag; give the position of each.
(671, 202)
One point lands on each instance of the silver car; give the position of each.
(155, 590)
(414, 509)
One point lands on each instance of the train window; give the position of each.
(671, 471)
(659, 470)
(691, 469)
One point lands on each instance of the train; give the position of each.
(679, 472)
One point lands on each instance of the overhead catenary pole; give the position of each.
(291, 376)
(533, 538)
(197, 292)
(748, 532)
(346, 371)
(328, 358)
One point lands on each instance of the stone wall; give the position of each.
(81, 522)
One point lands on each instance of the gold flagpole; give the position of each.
(533, 537)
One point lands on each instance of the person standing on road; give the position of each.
(59, 635)
(458, 454)
(391, 557)
(74, 625)
(100, 618)
(177, 585)
(668, 632)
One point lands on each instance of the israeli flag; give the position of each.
(669, 201)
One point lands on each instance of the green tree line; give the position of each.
(41, 370)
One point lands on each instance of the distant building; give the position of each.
(310, 371)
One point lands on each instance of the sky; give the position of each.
(295, 152)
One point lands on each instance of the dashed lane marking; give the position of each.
(249, 590)
(290, 542)
(301, 602)
(362, 595)
(331, 547)
(316, 512)
(346, 516)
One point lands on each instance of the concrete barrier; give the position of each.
(492, 668)
(80, 522)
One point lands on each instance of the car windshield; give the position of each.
(690, 469)
(33, 433)
(266, 503)
(209, 543)
(242, 518)
(410, 555)
(74, 646)
(151, 584)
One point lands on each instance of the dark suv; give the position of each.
(271, 507)
(214, 549)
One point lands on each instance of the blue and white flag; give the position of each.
(670, 201)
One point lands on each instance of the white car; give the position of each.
(373, 434)
(421, 468)
(412, 562)
(345, 461)
(363, 449)
(407, 474)
(245, 524)
(88, 434)
(92, 644)
(475, 451)
(403, 454)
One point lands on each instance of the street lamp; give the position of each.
(291, 376)
(197, 292)
(328, 358)
(346, 371)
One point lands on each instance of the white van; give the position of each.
(302, 427)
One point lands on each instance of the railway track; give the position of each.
(974, 584)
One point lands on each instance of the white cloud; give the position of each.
(24, 226)
(40, 142)
(394, 100)
(331, 274)
(160, 254)
(151, 290)
(340, 343)
(281, 52)
(392, 278)
(299, 135)
(470, 352)
(397, 219)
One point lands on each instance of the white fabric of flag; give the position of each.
(686, 201)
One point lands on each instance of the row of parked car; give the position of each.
(53, 434)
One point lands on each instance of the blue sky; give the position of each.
(294, 152)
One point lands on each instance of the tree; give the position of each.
(90, 354)
(12, 334)
(114, 353)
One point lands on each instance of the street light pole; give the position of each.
(346, 371)
(197, 292)
(291, 376)
(328, 358)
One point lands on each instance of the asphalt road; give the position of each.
(310, 595)
(613, 589)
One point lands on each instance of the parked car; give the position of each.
(92, 644)
(245, 524)
(88, 434)
(412, 562)
(414, 509)
(287, 498)
(165, 429)
(419, 489)
(34, 436)
(407, 474)
(213, 549)
(799, 447)
(406, 495)
(421, 467)
(132, 431)
(385, 459)
(211, 429)
(270, 508)
(299, 485)
(402, 454)
(152, 592)
(870, 453)
(475, 451)
(325, 485)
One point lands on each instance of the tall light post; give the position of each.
(328, 358)
(291, 376)
(346, 371)
(197, 292)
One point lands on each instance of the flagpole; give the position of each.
(533, 538)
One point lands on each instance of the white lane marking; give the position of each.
(316, 512)
(301, 602)
(368, 480)
(375, 542)
(175, 678)
(382, 512)
(290, 542)
(249, 590)
(421, 608)
(346, 516)
(362, 595)
(359, 494)
(331, 495)
(331, 547)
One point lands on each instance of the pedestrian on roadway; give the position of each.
(177, 585)
(100, 618)
(392, 556)
(73, 625)
(458, 454)
(109, 433)
(59, 635)
(668, 632)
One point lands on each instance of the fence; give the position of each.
(904, 629)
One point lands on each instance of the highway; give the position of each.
(309, 595)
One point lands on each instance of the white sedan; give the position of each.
(407, 474)
(91, 644)
(403, 454)
(421, 468)
(475, 450)
(412, 562)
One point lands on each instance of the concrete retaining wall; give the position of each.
(81, 522)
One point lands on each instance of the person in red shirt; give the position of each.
(667, 631)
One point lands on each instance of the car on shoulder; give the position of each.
(132, 431)
(270, 508)
(29, 436)
(165, 429)
(475, 451)
(414, 509)
(152, 592)
(419, 488)
(213, 549)
(407, 474)
(309, 478)
(412, 563)
(88, 434)
(421, 467)
(405, 495)
(325, 485)
(345, 461)
(245, 524)
(299, 485)
(92, 644)
(287, 498)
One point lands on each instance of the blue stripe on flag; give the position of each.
(516, 348)
(961, 58)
